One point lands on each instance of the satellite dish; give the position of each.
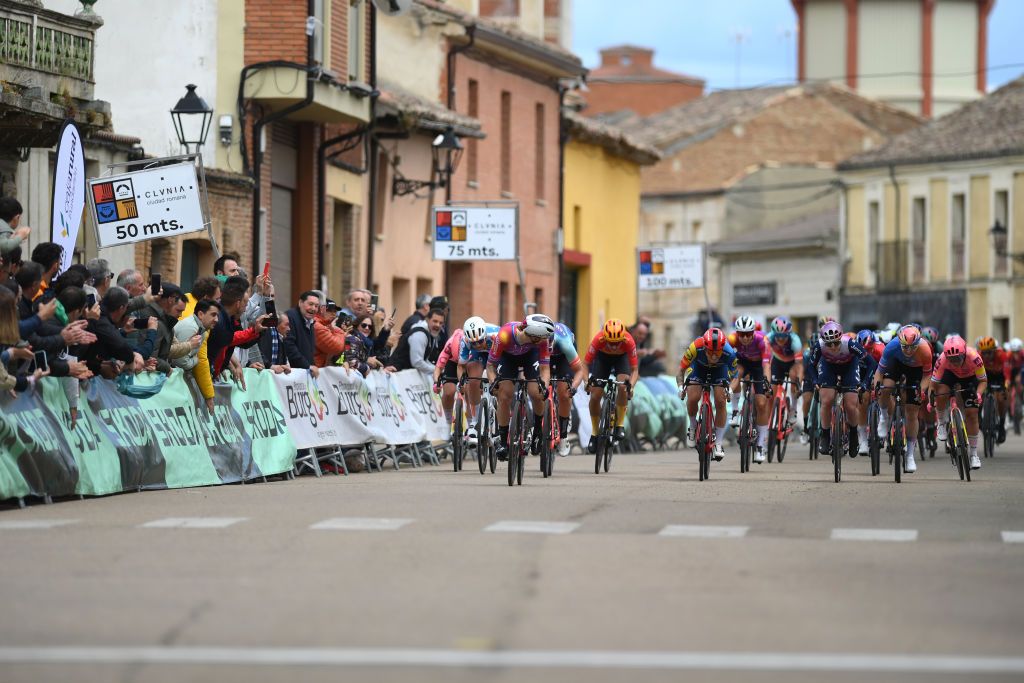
(392, 8)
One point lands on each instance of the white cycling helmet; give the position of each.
(474, 329)
(1016, 344)
(745, 323)
(538, 325)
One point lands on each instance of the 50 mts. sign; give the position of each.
(145, 205)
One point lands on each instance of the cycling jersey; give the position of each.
(756, 349)
(845, 352)
(565, 361)
(785, 347)
(505, 344)
(875, 350)
(920, 357)
(997, 362)
(468, 354)
(972, 367)
(600, 345)
(1016, 360)
(697, 356)
(450, 352)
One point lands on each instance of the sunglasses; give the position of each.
(535, 339)
(835, 343)
(744, 334)
(365, 326)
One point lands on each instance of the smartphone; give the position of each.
(41, 362)
(272, 321)
(48, 295)
(271, 307)
(22, 344)
(90, 300)
(266, 269)
(141, 322)
(374, 298)
(393, 311)
(154, 284)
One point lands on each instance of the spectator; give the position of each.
(9, 264)
(225, 267)
(111, 353)
(75, 276)
(362, 333)
(422, 308)
(650, 359)
(423, 342)
(30, 279)
(270, 353)
(12, 233)
(48, 255)
(228, 332)
(166, 308)
(60, 330)
(206, 313)
(329, 336)
(132, 282)
(99, 273)
(299, 345)
(357, 303)
(202, 288)
(8, 351)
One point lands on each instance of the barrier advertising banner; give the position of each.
(144, 205)
(67, 205)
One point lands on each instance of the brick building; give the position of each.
(627, 80)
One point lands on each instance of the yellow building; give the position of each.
(920, 212)
(600, 223)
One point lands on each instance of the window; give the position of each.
(918, 239)
(577, 227)
(538, 154)
(538, 299)
(502, 303)
(874, 227)
(1001, 211)
(473, 92)
(506, 141)
(695, 231)
(355, 42)
(1001, 328)
(958, 233)
(382, 193)
(670, 228)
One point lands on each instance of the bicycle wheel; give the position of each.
(603, 436)
(782, 441)
(483, 439)
(492, 430)
(546, 453)
(874, 443)
(457, 450)
(988, 424)
(708, 445)
(515, 425)
(774, 428)
(524, 446)
(959, 439)
(838, 434)
(899, 442)
(813, 416)
(743, 437)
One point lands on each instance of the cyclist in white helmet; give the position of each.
(754, 356)
(477, 336)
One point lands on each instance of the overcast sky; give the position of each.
(696, 37)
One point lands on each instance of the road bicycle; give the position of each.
(747, 435)
(779, 425)
(1016, 409)
(458, 430)
(840, 430)
(897, 442)
(519, 431)
(552, 435)
(606, 426)
(989, 417)
(704, 429)
(486, 428)
(875, 442)
(814, 424)
(957, 444)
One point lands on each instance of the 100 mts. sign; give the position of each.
(145, 205)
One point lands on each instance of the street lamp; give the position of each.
(445, 152)
(192, 116)
(1000, 236)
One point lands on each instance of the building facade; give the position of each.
(925, 56)
(920, 214)
(627, 80)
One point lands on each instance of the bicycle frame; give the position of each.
(779, 427)
(606, 427)
(704, 434)
(957, 443)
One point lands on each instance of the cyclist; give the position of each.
(565, 363)
(997, 369)
(1016, 362)
(785, 347)
(520, 346)
(753, 356)
(960, 364)
(807, 389)
(445, 373)
(477, 337)
(932, 336)
(709, 358)
(838, 361)
(868, 364)
(611, 349)
(908, 358)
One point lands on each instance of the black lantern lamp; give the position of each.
(446, 153)
(192, 117)
(1000, 237)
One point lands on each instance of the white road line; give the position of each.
(696, 531)
(874, 534)
(35, 523)
(1013, 537)
(529, 527)
(192, 522)
(362, 524)
(549, 659)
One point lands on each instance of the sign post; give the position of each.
(68, 203)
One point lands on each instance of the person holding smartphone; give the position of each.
(165, 309)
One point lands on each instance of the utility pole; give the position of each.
(739, 35)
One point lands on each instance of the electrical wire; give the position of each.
(792, 204)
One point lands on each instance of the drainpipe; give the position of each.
(896, 223)
(450, 78)
(372, 152)
(563, 139)
(257, 132)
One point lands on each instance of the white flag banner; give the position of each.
(393, 421)
(582, 402)
(68, 203)
(416, 390)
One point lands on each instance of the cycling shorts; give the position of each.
(968, 391)
(810, 376)
(509, 365)
(703, 373)
(560, 368)
(996, 380)
(911, 376)
(450, 373)
(833, 376)
(606, 363)
(780, 369)
(755, 371)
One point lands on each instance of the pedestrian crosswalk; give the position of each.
(550, 527)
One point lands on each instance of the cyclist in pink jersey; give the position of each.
(960, 365)
(753, 356)
(446, 371)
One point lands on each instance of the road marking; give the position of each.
(549, 659)
(362, 524)
(527, 527)
(35, 523)
(696, 531)
(1013, 537)
(874, 534)
(193, 522)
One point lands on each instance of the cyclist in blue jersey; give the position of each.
(807, 388)
(565, 364)
(868, 363)
(838, 359)
(477, 337)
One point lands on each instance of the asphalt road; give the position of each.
(643, 573)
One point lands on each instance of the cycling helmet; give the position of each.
(781, 325)
(825, 319)
(745, 323)
(562, 330)
(614, 331)
(1016, 344)
(714, 341)
(865, 337)
(474, 329)
(986, 344)
(930, 333)
(813, 339)
(909, 335)
(539, 326)
(955, 348)
(831, 332)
